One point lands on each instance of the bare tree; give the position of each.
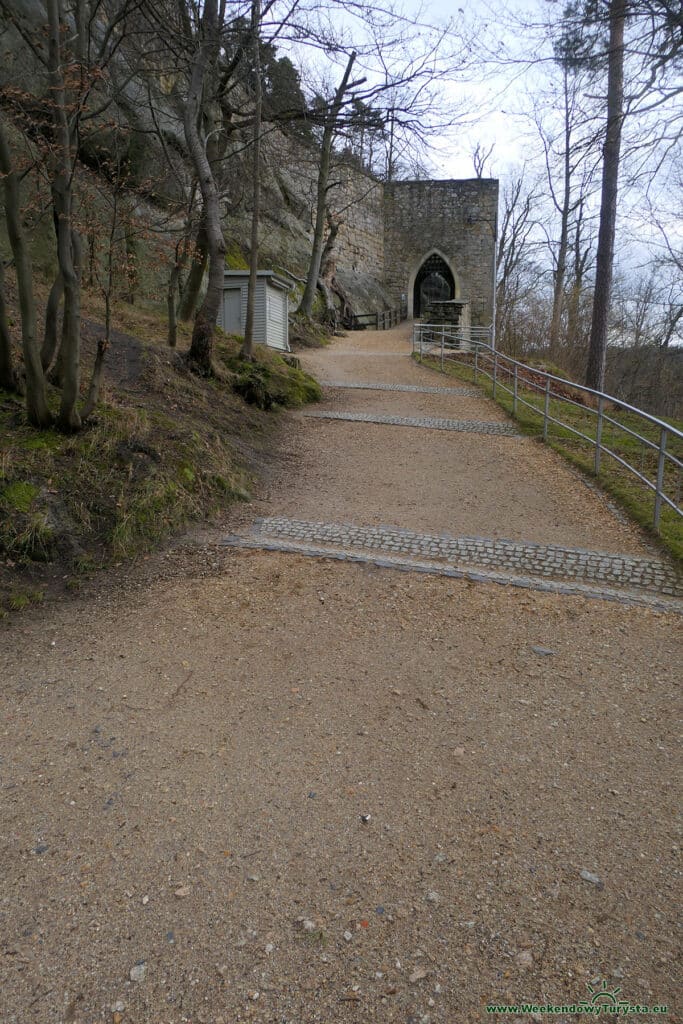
(80, 48)
(62, 199)
(202, 67)
(567, 158)
(597, 352)
(481, 156)
(8, 376)
(516, 272)
(37, 408)
(330, 127)
(248, 346)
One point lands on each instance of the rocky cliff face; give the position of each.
(145, 126)
(355, 264)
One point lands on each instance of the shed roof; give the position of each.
(275, 279)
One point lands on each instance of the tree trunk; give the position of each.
(98, 369)
(69, 359)
(201, 347)
(103, 343)
(563, 247)
(326, 281)
(51, 332)
(92, 258)
(61, 188)
(173, 287)
(8, 377)
(248, 346)
(323, 177)
(172, 336)
(36, 401)
(193, 286)
(132, 277)
(597, 353)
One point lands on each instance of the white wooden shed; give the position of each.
(271, 307)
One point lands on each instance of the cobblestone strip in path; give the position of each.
(628, 597)
(466, 426)
(534, 560)
(359, 352)
(413, 388)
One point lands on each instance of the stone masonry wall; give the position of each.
(457, 219)
(359, 201)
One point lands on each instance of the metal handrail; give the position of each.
(428, 337)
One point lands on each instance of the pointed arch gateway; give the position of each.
(432, 280)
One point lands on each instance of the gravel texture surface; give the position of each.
(287, 790)
(468, 485)
(252, 786)
(415, 404)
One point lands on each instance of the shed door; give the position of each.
(277, 318)
(232, 311)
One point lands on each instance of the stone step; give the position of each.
(380, 354)
(426, 422)
(534, 566)
(411, 388)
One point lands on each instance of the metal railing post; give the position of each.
(514, 393)
(495, 372)
(598, 434)
(660, 476)
(476, 363)
(443, 336)
(546, 409)
(420, 331)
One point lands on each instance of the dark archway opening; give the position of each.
(434, 283)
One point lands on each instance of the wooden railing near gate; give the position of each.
(382, 320)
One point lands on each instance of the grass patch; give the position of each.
(19, 495)
(631, 494)
(20, 599)
(122, 485)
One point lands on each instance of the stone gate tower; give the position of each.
(441, 236)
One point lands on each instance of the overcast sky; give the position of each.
(504, 77)
(492, 95)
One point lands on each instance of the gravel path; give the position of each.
(255, 786)
(465, 484)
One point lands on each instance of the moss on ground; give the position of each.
(19, 495)
(270, 379)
